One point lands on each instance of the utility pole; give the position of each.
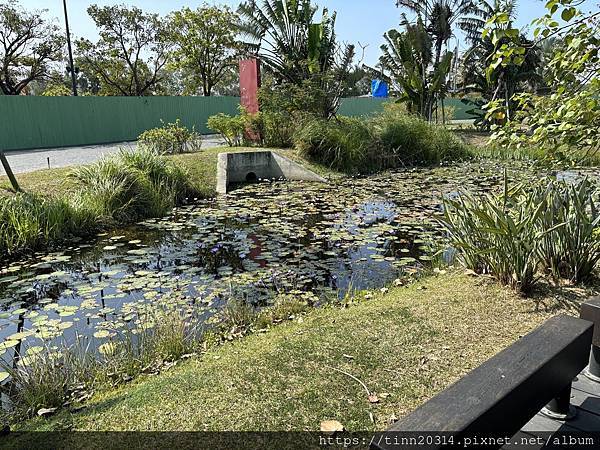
(71, 67)
(9, 172)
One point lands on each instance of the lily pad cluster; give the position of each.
(258, 242)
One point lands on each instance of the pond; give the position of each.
(260, 240)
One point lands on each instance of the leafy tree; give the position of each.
(565, 123)
(505, 80)
(131, 54)
(358, 82)
(296, 49)
(29, 45)
(408, 56)
(206, 46)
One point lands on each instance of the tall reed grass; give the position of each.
(129, 186)
(29, 221)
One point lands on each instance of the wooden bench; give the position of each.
(505, 392)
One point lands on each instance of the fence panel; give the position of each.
(45, 122)
(39, 122)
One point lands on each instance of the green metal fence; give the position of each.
(41, 122)
(361, 106)
(45, 122)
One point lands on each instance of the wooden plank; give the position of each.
(586, 401)
(583, 421)
(505, 392)
(542, 424)
(584, 384)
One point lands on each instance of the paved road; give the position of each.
(30, 160)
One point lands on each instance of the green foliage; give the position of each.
(132, 185)
(171, 138)
(131, 53)
(389, 140)
(230, 128)
(205, 45)
(497, 235)
(572, 250)
(297, 50)
(565, 123)
(408, 56)
(345, 144)
(512, 236)
(505, 80)
(238, 317)
(56, 90)
(407, 140)
(47, 378)
(285, 307)
(30, 221)
(30, 45)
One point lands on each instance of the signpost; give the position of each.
(9, 172)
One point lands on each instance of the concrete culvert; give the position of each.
(249, 167)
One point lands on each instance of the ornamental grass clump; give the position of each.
(171, 138)
(527, 231)
(30, 221)
(132, 185)
(344, 143)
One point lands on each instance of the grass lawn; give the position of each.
(405, 345)
(201, 165)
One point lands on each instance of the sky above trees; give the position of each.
(362, 21)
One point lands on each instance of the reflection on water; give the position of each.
(257, 241)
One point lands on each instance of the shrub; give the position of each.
(572, 250)
(550, 225)
(131, 185)
(29, 221)
(230, 128)
(171, 138)
(388, 140)
(407, 140)
(345, 144)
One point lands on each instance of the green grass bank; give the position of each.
(405, 345)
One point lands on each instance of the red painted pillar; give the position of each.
(249, 85)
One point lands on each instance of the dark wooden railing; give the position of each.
(503, 394)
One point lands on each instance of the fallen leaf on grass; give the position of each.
(45, 411)
(373, 398)
(331, 426)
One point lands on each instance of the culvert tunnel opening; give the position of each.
(251, 178)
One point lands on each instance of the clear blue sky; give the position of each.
(362, 21)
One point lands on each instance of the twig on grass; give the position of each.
(353, 377)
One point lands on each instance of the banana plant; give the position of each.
(408, 56)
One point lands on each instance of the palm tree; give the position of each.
(295, 48)
(440, 17)
(283, 33)
(408, 56)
